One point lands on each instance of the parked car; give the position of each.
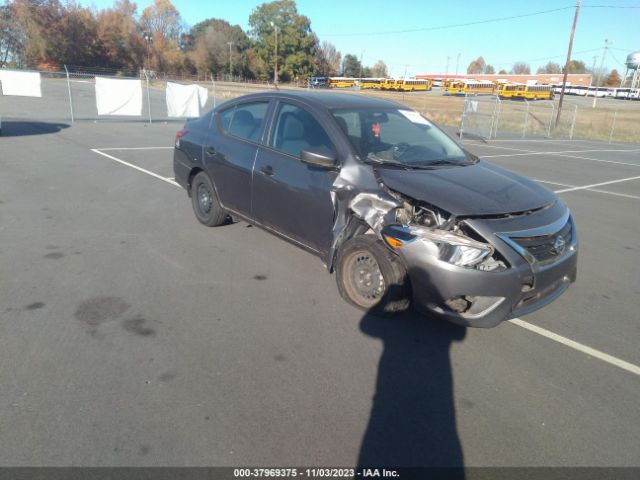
(391, 204)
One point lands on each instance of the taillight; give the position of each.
(179, 135)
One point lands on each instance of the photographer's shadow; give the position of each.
(412, 422)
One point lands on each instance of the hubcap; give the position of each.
(366, 278)
(204, 199)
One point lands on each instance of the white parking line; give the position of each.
(586, 187)
(630, 367)
(135, 148)
(516, 321)
(563, 154)
(625, 195)
(148, 172)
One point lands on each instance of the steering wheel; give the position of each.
(400, 149)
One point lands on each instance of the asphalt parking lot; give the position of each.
(132, 335)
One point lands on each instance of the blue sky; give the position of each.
(534, 39)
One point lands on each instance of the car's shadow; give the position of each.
(412, 421)
(14, 128)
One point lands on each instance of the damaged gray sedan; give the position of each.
(396, 208)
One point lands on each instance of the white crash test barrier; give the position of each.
(22, 84)
(119, 96)
(185, 100)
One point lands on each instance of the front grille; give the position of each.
(547, 248)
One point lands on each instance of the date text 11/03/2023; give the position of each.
(314, 473)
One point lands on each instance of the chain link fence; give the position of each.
(492, 118)
(68, 95)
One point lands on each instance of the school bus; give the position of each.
(412, 85)
(388, 84)
(530, 92)
(370, 83)
(446, 83)
(470, 87)
(537, 92)
(340, 82)
(509, 90)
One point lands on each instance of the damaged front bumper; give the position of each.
(477, 298)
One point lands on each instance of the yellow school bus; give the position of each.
(530, 92)
(411, 85)
(470, 87)
(537, 92)
(370, 83)
(340, 82)
(509, 90)
(388, 84)
(446, 83)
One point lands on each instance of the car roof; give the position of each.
(329, 100)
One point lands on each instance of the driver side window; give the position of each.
(296, 130)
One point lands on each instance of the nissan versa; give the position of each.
(387, 200)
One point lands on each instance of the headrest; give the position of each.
(292, 128)
(242, 117)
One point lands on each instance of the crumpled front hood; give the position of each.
(480, 189)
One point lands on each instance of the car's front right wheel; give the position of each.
(205, 203)
(371, 277)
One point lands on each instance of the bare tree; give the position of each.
(521, 68)
(327, 59)
(379, 70)
(550, 67)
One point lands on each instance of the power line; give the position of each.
(443, 27)
(615, 58)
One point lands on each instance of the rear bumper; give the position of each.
(181, 169)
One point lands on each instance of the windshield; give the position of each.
(400, 137)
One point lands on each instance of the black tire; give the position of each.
(205, 202)
(371, 277)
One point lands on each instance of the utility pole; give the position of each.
(275, 71)
(566, 65)
(148, 38)
(405, 70)
(593, 70)
(446, 70)
(361, 55)
(457, 63)
(604, 54)
(230, 62)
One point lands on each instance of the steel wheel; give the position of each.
(204, 199)
(371, 277)
(205, 202)
(365, 281)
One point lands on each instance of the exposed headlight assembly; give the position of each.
(453, 248)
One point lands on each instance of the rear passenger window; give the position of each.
(225, 118)
(244, 120)
(297, 130)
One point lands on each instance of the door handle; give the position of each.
(210, 151)
(267, 170)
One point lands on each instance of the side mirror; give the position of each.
(319, 158)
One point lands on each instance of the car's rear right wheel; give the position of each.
(205, 203)
(371, 277)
